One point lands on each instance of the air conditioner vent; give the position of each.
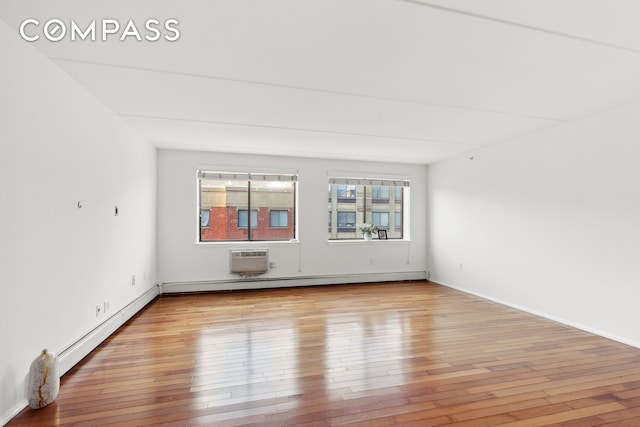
(249, 262)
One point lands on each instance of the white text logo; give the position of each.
(56, 29)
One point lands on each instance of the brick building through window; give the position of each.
(227, 198)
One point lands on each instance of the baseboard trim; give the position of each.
(281, 282)
(544, 315)
(80, 348)
(11, 414)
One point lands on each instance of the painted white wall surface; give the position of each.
(181, 260)
(548, 222)
(60, 146)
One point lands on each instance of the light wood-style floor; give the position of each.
(410, 354)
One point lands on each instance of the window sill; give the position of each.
(373, 241)
(237, 243)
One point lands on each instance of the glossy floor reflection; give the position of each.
(324, 351)
(410, 354)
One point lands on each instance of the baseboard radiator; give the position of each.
(249, 262)
(80, 348)
(264, 282)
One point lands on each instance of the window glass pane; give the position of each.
(274, 202)
(223, 198)
(350, 206)
(226, 197)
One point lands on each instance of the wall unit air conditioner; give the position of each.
(249, 262)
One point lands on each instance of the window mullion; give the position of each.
(249, 216)
(364, 204)
(199, 210)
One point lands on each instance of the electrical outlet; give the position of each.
(133, 280)
(105, 306)
(98, 310)
(273, 264)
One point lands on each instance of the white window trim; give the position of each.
(363, 177)
(225, 168)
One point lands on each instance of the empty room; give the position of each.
(320, 213)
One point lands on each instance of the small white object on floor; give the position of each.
(44, 380)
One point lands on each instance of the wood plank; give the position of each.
(390, 354)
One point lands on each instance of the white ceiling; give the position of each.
(391, 80)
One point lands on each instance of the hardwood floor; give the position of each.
(410, 354)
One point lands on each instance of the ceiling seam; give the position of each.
(325, 91)
(520, 25)
(404, 138)
(332, 155)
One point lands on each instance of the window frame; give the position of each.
(289, 177)
(371, 201)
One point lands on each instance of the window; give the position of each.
(355, 201)
(279, 219)
(205, 217)
(380, 194)
(226, 198)
(346, 221)
(398, 194)
(242, 218)
(380, 219)
(346, 193)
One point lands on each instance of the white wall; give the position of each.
(181, 260)
(549, 222)
(58, 146)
